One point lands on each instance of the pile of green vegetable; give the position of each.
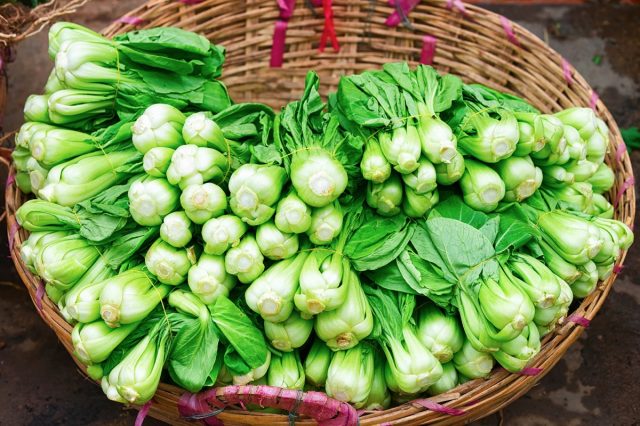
(399, 240)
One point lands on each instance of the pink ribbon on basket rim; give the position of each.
(429, 44)
(593, 100)
(530, 371)
(620, 150)
(628, 183)
(617, 268)
(131, 20)
(438, 408)
(566, 72)
(12, 235)
(507, 26)
(280, 32)
(403, 8)
(190, 2)
(40, 292)
(459, 6)
(193, 408)
(329, 31)
(142, 414)
(579, 320)
(11, 179)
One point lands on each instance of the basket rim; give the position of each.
(461, 397)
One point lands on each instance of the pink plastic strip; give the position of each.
(593, 100)
(530, 371)
(11, 179)
(392, 3)
(280, 33)
(189, 2)
(438, 408)
(620, 150)
(628, 183)
(566, 72)
(40, 292)
(428, 52)
(617, 269)
(403, 8)
(192, 407)
(12, 235)
(131, 20)
(277, 50)
(459, 6)
(142, 414)
(508, 30)
(579, 320)
(286, 8)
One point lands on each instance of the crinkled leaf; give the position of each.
(378, 241)
(424, 279)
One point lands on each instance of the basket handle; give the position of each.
(317, 405)
(5, 161)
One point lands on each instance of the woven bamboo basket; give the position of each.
(478, 45)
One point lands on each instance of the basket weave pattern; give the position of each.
(474, 47)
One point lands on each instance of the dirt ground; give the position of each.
(596, 383)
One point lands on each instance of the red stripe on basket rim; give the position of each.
(329, 31)
(438, 408)
(142, 414)
(628, 183)
(190, 2)
(566, 72)
(40, 292)
(579, 320)
(507, 26)
(429, 44)
(620, 150)
(131, 20)
(593, 100)
(11, 179)
(617, 268)
(530, 371)
(403, 8)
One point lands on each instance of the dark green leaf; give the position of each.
(515, 230)
(193, 354)
(240, 332)
(454, 208)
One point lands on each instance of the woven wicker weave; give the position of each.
(474, 47)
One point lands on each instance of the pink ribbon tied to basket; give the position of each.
(206, 405)
(280, 31)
